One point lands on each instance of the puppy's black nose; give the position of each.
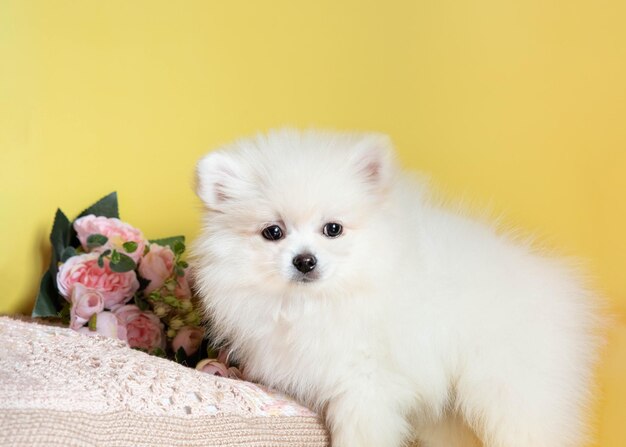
(305, 262)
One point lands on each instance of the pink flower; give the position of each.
(115, 288)
(223, 355)
(115, 230)
(212, 366)
(235, 373)
(143, 329)
(182, 289)
(108, 325)
(157, 266)
(85, 303)
(189, 338)
(215, 368)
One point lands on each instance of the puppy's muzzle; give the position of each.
(305, 262)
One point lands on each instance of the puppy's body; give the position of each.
(415, 322)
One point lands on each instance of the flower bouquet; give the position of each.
(106, 278)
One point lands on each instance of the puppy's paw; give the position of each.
(358, 420)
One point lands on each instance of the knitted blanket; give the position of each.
(61, 388)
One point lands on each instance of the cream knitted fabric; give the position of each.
(58, 387)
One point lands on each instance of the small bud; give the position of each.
(172, 301)
(170, 285)
(161, 309)
(186, 305)
(192, 318)
(176, 323)
(93, 322)
(171, 333)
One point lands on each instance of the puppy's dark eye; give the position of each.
(333, 229)
(272, 233)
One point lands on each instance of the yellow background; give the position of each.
(516, 105)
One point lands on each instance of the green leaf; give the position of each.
(101, 258)
(178, 247)
(60, 239)
(211, 352)
(60, 234)
(168, 241)
(183, 264)
(181, 356)
(140, 302)
(130, 246)
(47, 302)
(158, 352)
(68, 253)
(93, 322)
(64, 313)
(143, 283)
(96, 240)
(180, 271)
(115, 257)
(106, 206)
(124, 264)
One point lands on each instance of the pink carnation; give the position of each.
(143, 329)
(115, 230)
(115, 288)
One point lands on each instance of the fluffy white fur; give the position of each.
(423, 324)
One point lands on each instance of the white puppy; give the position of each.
(335, 279)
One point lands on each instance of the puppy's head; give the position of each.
(292, 210)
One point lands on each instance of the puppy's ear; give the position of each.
(219, 178)
(374, 161)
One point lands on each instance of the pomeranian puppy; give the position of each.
(335, 279)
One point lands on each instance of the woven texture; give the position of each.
(58, 387)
